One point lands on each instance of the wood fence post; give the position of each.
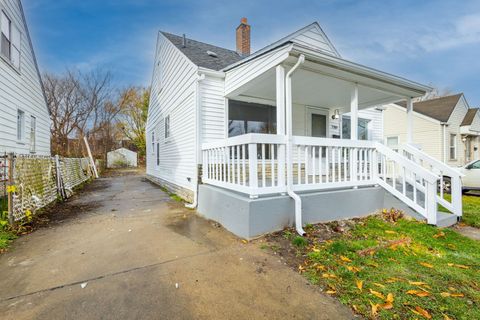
(11, 158)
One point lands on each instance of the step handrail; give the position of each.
(448, 170)
(423, 173)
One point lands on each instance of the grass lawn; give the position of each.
(5, 239)
(471, 209)
(395, 270)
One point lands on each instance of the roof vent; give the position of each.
(184, 41)
(212, 54)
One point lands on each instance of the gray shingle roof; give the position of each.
(469, 117)
(196, 51)
(438, 108)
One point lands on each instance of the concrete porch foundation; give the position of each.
(250, 218)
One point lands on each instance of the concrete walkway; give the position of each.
(130, 245)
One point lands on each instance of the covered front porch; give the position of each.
(294, 126)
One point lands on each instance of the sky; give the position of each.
(433, 42)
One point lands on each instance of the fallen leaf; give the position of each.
(417, 283)
(418, 293)
(427, 265)
(352, 269)
(244, 241)
(378, 285)
(328, 275)
(461, 266)
(331, 291)
(355, 308)
(392, 280)
(440, 234)
(360, 285)
(390, 232)
(374, 309)
(423, 312)
(448, 294)
(389, 298)
(345, 259)
(377, 294)
(387, 306)
(446, 317)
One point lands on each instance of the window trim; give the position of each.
(152, 150)
(12, 46)
(368, 128)
(20, 126)
(33, 134)
(455, 147)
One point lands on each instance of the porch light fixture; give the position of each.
(336, 114)
(464, 138)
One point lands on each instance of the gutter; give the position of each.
(288, 104)
(200, 77)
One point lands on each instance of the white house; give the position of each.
(24, 116)
(446, 128)
(290, 133)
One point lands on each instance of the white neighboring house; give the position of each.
(446, 128)
(24, 116)
(289, 133)
(121, 157)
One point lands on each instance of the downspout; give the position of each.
(444, 141)
(200, 77)
(288, 104)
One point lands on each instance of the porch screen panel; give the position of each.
(246, 117)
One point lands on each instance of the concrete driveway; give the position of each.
(131, 245)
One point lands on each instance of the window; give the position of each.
(167, 127)
(153, 142)
(158, 154)
(453, 147)
(33, 134)
(475, 165)
(362, 131)
(246, 117)
(20, 125)
(10, 40)
(392, 142)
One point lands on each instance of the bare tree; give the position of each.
(437, 92)
(79, 106)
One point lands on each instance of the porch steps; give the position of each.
(443, 219)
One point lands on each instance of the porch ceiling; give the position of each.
(328, 84)
(314, 89)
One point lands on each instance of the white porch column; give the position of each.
(354, 113)
(354, 132)
(280, 103)
(409, 120)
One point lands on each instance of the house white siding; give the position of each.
(21, 89)
(314, 38)
(173, 97)
(475, 126)
(213, 109)
(453, 127)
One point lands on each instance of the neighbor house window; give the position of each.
(20, 124)
(362, 128)
(158, 154)
(33, 134)
(392, 142)
(246, 117)
(453, 146)
(167, 127)
(10, 40)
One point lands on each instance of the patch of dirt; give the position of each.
(69, 209)
(280, 243)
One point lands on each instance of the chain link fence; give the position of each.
(31, 182)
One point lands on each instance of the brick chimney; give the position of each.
(243, 38)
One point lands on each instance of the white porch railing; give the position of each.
(254, 164)
(444, 172)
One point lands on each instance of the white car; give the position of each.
(471, 180)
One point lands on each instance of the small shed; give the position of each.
(121, 158)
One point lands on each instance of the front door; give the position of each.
(319, 125)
